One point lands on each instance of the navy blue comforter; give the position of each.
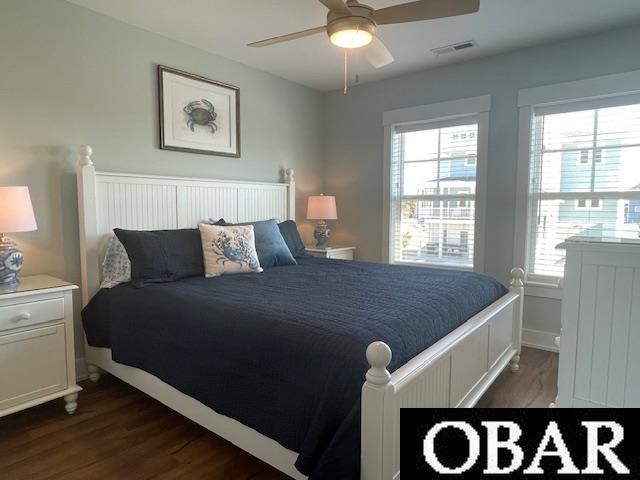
(283, 351)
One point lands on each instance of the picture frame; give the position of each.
(198, 114)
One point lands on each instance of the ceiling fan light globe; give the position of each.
(351, 38)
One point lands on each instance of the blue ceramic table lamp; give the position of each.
(16, 215)
(322, 207)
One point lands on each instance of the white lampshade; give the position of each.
(321, 207)
(16, 212)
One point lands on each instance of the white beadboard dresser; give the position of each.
(600, 340)
(37, 360)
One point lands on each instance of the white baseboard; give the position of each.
(540, 340)
(81, 369)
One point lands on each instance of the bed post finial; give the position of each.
(290, 179)
(289, 175)
(379, 357)
(85, 155)
(517, 278)
(517, 286)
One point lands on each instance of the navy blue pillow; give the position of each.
(162, 255)
(271, 247)
(289, 231)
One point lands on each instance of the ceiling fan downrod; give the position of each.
(346, 72)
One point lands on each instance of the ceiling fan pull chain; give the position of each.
(346, 71)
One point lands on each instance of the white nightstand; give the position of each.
(37, 359)
(333, 251)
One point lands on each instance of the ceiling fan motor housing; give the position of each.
(361, 18)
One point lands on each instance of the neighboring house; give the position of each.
(585, 170)
(444, 229)
(580, 173)
(449, 223)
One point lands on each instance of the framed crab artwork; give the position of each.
(197, 114)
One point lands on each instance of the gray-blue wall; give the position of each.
(354, 138)
(69, 76)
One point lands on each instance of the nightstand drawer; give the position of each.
(348, 255)
(34, 365)
(31, 313)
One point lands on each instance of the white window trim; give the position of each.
(597, 88)
(477, 107)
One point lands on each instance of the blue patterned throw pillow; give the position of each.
(228, 250)
(116, 267)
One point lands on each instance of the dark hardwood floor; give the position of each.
(534, 386)
(120, 433)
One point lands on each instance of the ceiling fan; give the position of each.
(354, 25)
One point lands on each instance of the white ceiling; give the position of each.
(224, 27)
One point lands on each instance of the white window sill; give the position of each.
(443, 266)
(543, 290)
(532, 288)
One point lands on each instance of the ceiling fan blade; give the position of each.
(286, 38)
(425, 10)
(378, 54)
(337, 6)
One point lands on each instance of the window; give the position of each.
(433, 186)
(578, 150)
(584, 156)
(584, 204)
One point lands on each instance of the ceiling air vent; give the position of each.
(456, 47)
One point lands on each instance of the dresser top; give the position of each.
(629, 235)
(35, 283)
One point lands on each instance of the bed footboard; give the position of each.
(454, 372)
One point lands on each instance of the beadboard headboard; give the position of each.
(150, 202)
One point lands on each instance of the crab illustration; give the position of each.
(236, 250)
(201, 112)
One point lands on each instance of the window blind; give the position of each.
(433, 191)
(584, 173)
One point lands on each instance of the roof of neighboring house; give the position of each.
(467, 178)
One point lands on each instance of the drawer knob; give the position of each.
(21, 317)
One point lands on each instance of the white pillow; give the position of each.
(228, 249)
(116, 266)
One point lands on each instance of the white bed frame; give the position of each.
(454, 372)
